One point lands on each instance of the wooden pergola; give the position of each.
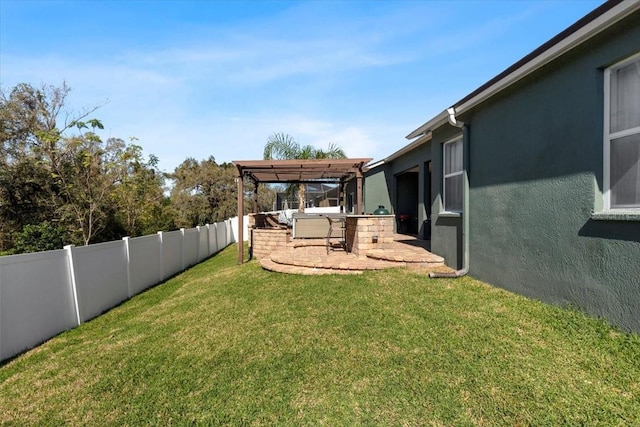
(296, 172)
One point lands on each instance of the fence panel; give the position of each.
(232, 223)
(190, 247)
(213, 241)
(145, 263)
(171, 253)
(232, 230)
(203, 243)
(36, 300)
(101, 277)
(221, 230)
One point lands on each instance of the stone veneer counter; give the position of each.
(369, 232)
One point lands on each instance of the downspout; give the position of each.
(465, 198)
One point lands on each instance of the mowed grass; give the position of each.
(224, 344)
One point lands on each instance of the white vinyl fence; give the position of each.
(45, 293)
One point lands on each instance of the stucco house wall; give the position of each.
(536, 175)
(384, 185)
(378, 185)
(446, 228)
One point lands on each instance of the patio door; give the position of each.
(407, 201)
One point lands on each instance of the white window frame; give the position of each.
(608, 137)
(445, 175)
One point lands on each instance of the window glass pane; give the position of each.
(447, 158)
(457, 161)
(453, 157)
(625, 172)
(453, 193)
(625, 97)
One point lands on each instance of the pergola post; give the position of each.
(359, 192)
(341, 195)
(255, 197)
(240, 242)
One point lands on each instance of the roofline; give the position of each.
(435, 122)
(582, 30)
(423, 139)
(594, 22)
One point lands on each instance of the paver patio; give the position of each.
(309, 257)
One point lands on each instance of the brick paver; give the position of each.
(310, 257)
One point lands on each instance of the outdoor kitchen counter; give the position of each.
(368, 232)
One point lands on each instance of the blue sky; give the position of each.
(214, 78)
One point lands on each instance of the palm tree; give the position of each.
(282, 146)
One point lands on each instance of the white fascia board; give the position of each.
(424, 138)
(435, 122)
(583, 34)
(375, 164)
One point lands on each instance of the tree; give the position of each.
(39, 237)
(139, 194)
(206, 192)
(26, 191)
(203, 192)
(30, 122)
(86, 172)
(281, 146)
(52, 179)
(31, 135)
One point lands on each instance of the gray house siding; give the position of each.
(446, 230)
(400, 185)
(378, 184)
(536, 174)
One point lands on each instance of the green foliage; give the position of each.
(56, 169)
(282, 146)
(24, 189)
(96, 190)
(45, 236)
(206, 192)
(138, 194)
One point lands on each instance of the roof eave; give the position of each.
(423, 138)
(586, 28)
(434, 123)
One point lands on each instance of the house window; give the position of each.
(452, 192)
(622, 135)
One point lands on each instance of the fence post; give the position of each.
(215, 234)
(161, 257)
(182, 248)
(208, 231)
(72, 277)
(126, 245)
(198, 245)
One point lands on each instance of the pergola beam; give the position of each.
(304, 181)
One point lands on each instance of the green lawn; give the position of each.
(236, 345)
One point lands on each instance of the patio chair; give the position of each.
(337, 230)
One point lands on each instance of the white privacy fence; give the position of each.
(45, 293)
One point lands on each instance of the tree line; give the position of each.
(61, 183)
